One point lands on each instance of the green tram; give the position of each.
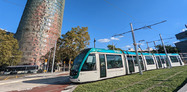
(96, 64)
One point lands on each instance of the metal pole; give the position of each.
(135, 47)
(148, 47)
(155, 47)
(48, 60)
(112, 45)
(94, 42)
(64, 66)
(53, 57)
(157, 53)
(165, 51)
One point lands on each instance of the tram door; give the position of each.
(102, 65)
(141, 62)
(131, 64)
(159, 62)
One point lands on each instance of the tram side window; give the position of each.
(114, 61)
(90, 63)
(163, 58)
(174, 59)
(135, 62)
(158, 59)
(129, 58)
(149, 60)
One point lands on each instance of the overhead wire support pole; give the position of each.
(148, 47)
(165, 51)
(94, 42)
(158, 53)
(135, 47)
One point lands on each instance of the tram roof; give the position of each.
(128, 52)
(105, 50)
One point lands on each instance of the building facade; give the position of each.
(39, 28)
(182, 44)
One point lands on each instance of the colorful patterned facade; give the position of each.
(39, 28)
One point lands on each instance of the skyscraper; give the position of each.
(39, 28)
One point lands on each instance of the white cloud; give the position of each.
(176, 42)
(140, 44)
(104, 40)
(121, 36)
(113, 38)
(128, 46)
(183, 30)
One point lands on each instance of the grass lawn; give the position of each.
(151, 81)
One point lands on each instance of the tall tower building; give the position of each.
(39, 28)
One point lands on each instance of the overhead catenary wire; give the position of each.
(149, 26)
(163, 39)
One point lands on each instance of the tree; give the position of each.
(169, 48)
(9, 53)
(111, 47)
(71, 43)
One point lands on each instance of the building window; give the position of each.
(90, 63)
(114, 61)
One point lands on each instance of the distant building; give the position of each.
(182, 44)
(146, 50)
(39, 28)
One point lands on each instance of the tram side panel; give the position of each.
(126, 65)
(175, 60)
(149, 62)
(115, 65)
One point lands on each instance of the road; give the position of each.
(56, 82)
(7, 77)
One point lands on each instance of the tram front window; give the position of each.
(90, 63)
(77, 62)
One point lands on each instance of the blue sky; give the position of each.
(105, 18)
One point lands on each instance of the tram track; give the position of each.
(158, 84)
(139, 82)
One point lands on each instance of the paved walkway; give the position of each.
(184, 88)
(45, 82)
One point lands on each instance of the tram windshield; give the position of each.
(78, 60)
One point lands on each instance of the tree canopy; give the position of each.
(71, 43)
(111, 47)
(9, 53)
(169, 48)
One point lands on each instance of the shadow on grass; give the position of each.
(61, 80)
(179, 87)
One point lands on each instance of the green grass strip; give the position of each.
(154, 80)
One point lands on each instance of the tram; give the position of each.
(94, 64)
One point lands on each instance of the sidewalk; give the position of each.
(56, 82)
(183, 89)
(32, 77)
